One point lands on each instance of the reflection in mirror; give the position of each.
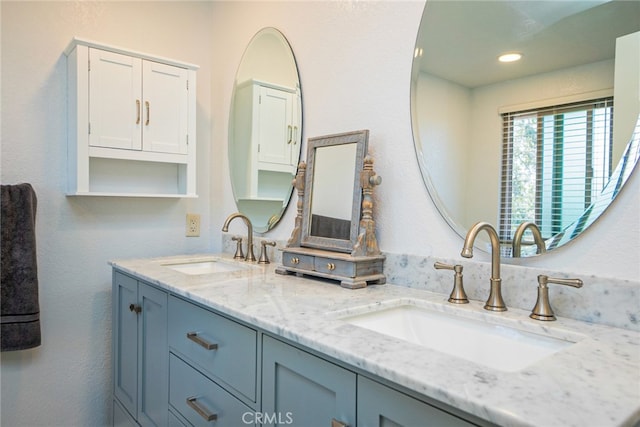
(533, 140)
(265, 129)
(332, 200)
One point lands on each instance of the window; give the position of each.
(555, 160)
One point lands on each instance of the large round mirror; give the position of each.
(265, 129)
(544, 138)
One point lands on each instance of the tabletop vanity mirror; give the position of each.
(334, 234)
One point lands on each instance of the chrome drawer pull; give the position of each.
(193, 336)
(193, 404)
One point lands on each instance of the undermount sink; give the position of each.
(490, 344)
(206, 267)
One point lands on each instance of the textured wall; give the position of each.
(355, 60)
(67, 381)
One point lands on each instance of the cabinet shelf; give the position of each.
(131, 121)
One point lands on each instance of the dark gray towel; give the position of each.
(20, 309)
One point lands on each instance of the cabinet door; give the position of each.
(382, 406)
(166, 108)
(125, 342)
(115, 97)
(275, 128)
(120, 417)
(300, 389)
(153, 350)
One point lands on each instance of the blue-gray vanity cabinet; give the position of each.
(300, 389)
(379, 406)
(140, 350)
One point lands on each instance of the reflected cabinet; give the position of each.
(267, 139)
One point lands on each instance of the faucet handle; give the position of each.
(264, 259)
(458, 295)
(542, 309)
(239, 254)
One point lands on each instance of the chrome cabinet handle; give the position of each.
(336, 423)
(202, 411)
(135, 308)
(193, 336)
(138, 110)
(146, 103)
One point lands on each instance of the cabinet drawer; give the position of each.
(222, 348)
(304, 262)
(333, 266)
(196, 397)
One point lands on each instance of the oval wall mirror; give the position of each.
(548, 138)
(265, 129)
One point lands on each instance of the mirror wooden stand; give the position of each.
(324, 242)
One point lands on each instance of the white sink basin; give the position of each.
(206, 267)
(493, 345)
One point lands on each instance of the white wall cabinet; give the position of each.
(267, 118)
(131, 120)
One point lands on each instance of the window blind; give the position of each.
(555, 160)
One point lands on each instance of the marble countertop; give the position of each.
(594, 382)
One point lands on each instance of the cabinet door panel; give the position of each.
(153, 350)
(165, 109)
(304, 390)
(125, 343)
(382, 406)
(120, 417)
(275, 127)
(115, 91)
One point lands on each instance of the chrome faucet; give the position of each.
(495, 302)
(250, 256)
(537, 237)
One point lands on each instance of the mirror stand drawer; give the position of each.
(352, 272)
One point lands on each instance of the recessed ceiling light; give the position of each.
(510, 57)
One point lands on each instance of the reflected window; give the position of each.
(555, 161)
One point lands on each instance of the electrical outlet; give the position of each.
(193, 225)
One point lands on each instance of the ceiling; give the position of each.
(461, 40)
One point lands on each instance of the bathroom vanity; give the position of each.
(206, 340)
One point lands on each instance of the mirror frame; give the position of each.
(360, 138)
